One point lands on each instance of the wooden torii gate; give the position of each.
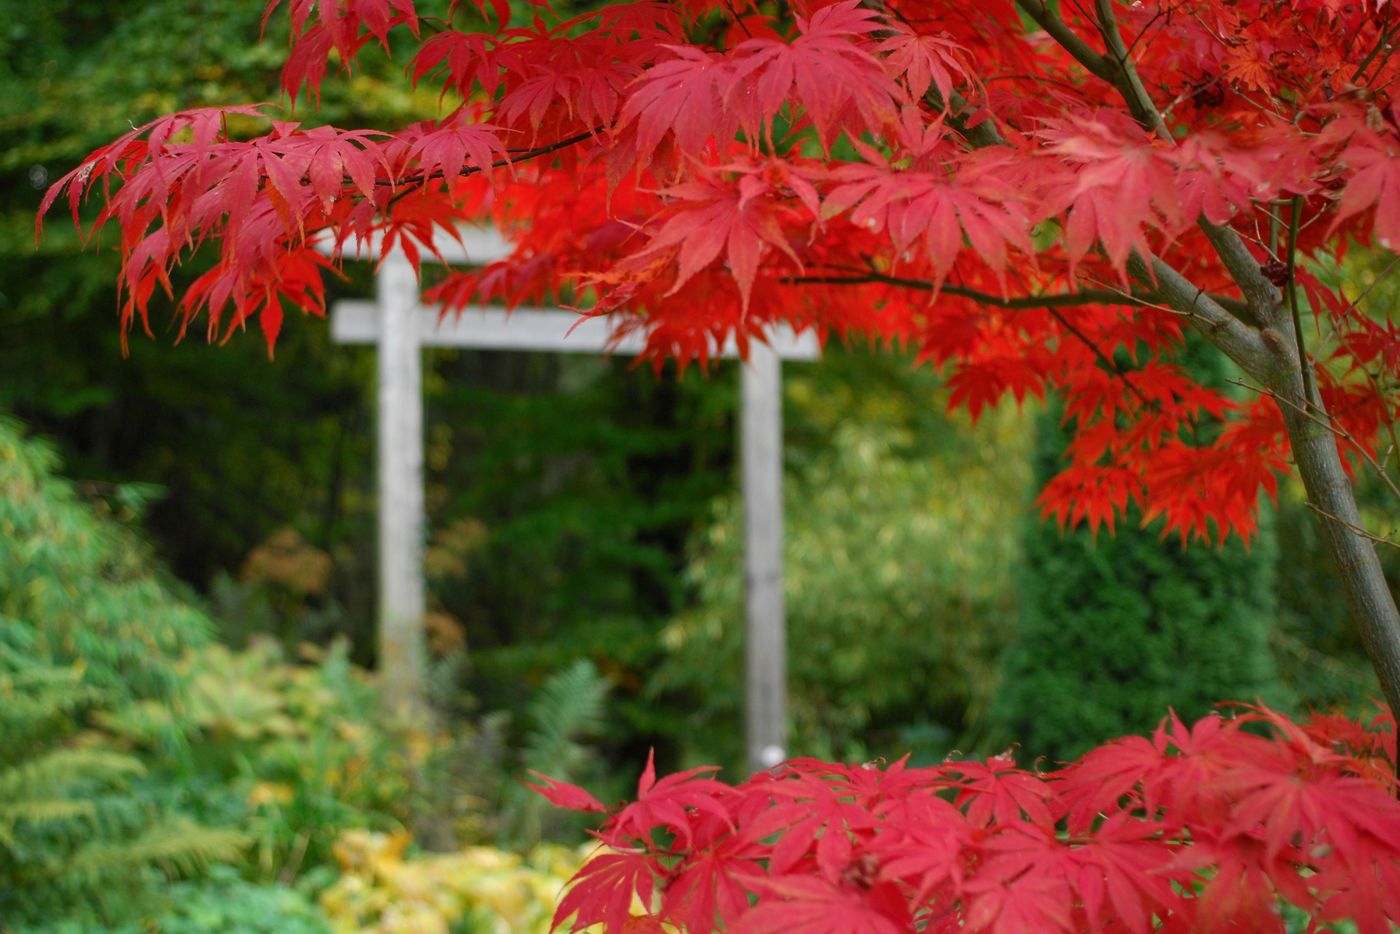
(400, 326)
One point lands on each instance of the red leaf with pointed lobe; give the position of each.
(567, 796)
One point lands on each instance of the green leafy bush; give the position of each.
(83, 589)
(567, 710)
(85, 630)
(897, 570)
(1114, 629)
(295, 753)
(77, 838)
(225, 902)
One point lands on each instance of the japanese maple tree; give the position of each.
(1206, 827)
(1038, 196)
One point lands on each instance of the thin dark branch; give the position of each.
(1050, 303)
(1330, 425)
(1102, 357)
(733, 15)
(1382, 43)
(1378, 539)
(1060, 300)
(1380, 277)
(1142, 34)
(520, 156)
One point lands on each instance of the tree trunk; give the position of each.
(1264, 344)
(1332, 498)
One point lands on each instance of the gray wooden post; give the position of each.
(399, 441)
(765, 629)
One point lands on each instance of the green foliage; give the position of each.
(71, 74)
(86, 629)
(476, 890)
(896, 570)
(566, 496)
(220, 903)
(41, 784)
(1116, 628)
(77, 839)
(79, 590)
(294, 753)
(224, 902)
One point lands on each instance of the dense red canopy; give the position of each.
(953, 176)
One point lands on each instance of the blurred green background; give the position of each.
(186, 579)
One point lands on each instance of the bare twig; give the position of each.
(1050, 303)
(1378, 539)
(1329, 425)
(1058, 300)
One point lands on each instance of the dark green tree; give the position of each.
(1115, 629)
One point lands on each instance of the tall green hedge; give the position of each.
(1114, 631)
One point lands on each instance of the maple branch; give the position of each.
(521, 155)
(956, 110)
(1261, 295)
(1382, 44)
(1330, 425)
(1096, 63)
(1378, 539)
(1102, 357)
(1142, 34)
(1058, 300)
(1368, 594)
(1380, 277)
(1130, 86)
(1050, 303)
(1262, 298)
(1238, 340)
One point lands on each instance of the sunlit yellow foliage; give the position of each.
(381, 890)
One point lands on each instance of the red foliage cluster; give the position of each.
(1200, 828)
(930, 172)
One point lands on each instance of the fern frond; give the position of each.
(179, 846)
(48, 774)
(567, 708)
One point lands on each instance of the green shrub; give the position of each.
(77, 838)
(293, 752)
(85, 630)
(566, 710)
(897, 570)
(224, 902)
(82, 587)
